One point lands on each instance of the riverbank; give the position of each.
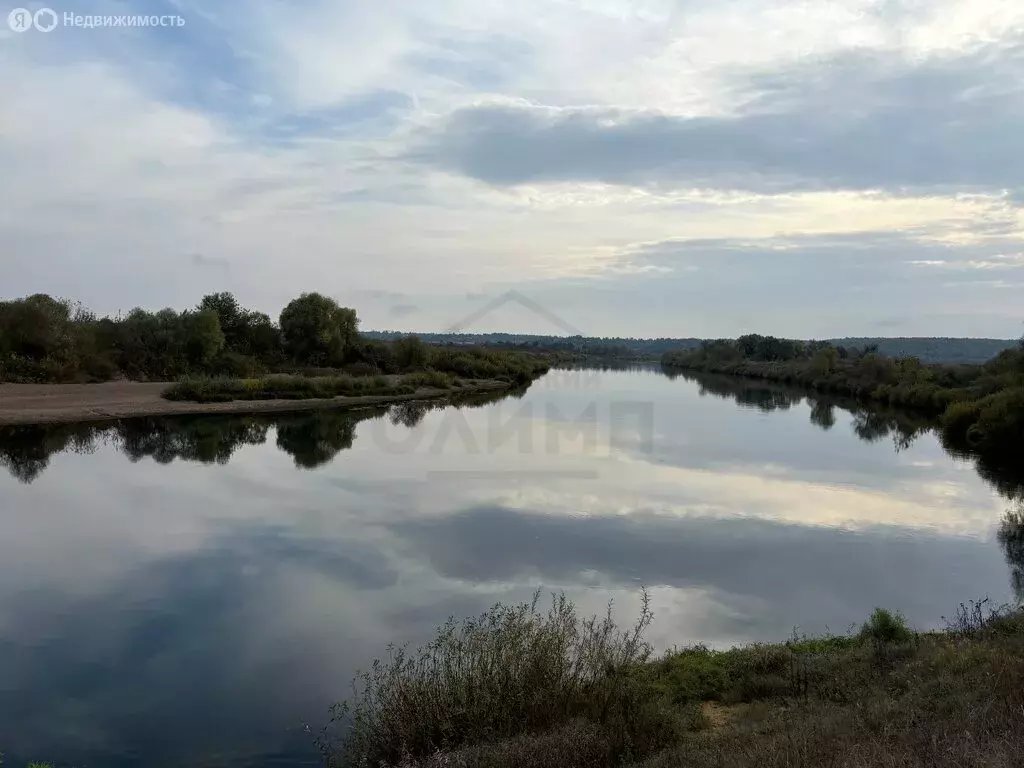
(518, 688)
(66, 403)
(980, 407)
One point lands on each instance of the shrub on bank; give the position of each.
(510, 674)
(518, 688)
(886, 627)
(432, 379)
(281, 387)
(202, 389)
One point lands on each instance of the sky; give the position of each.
(641, 168)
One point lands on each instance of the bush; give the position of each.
(1000, 421)
(362, 368)
(378, 354)
(410, 353)
(98, 368)
(886, 627)
(432, 379)
(509, 672)
(279, 387)
(695, 674)
(959, 418)
(235, 365)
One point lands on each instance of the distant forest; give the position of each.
(927, 350)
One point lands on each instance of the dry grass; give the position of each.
(280, 387)
(516, 688)
(952, 702)
(511, 672)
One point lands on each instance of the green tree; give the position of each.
(262, 339)
(37, 327)
(825, 360)
(410, 352)
(378, 354)
(246, 332)
(203, 337)
(316, 331)
(228, 311)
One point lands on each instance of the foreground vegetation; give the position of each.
(43, 339)
(981, 406)
(518, 687)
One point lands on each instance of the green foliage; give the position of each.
(379, 354)
(316, 331)
(993, 422)
(246, 332)
(512, 367)
(432, 379)
(410, 352)
(48, 340)
(886, 627)
(203, 336)
(281, 387)
(695, 674)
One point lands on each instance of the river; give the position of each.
(196, 591)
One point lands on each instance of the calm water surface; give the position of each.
(194, 591)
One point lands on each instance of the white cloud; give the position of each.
(125, 156)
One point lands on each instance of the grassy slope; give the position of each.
(899, 699)
(516, 688)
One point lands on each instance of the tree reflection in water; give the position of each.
(1011, 538)
(312, 438)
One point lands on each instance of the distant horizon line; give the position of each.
(684, 338)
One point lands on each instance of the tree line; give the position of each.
(981, 406)
(927, 349)
(44, 339)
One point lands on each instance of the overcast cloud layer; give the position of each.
(642, 167)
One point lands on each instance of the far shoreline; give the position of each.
(29, 404)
